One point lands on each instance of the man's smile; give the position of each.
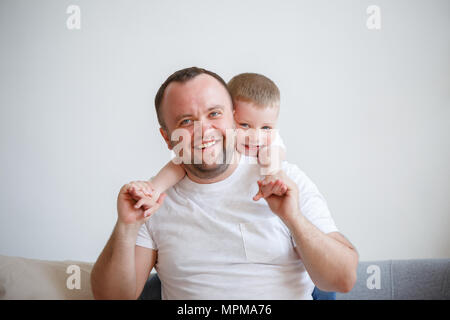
(206, 144)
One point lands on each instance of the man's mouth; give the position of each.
(206, 144)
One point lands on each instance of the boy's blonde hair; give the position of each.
(256, 88)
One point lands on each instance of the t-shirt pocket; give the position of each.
(265, 241)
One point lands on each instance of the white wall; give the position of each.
(365, 113)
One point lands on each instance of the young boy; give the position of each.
(256, 101)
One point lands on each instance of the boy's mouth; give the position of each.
(251, 147)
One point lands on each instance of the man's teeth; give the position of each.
(206, 145)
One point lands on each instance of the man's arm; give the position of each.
(122, 268)
(330, 259)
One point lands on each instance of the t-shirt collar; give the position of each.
(187, 184)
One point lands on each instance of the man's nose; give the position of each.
(206, 125)
(201, 129)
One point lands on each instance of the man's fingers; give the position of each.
(140, 203)
(137, 194)
(258, 196)
(139, 188)
(267, 190)
(282, 188)
(141, 185)
(147, 188)
(269, 187)
(150, 211)
(276, 188)
(132, 191)
(161, 198)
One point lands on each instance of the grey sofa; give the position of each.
(427, 279)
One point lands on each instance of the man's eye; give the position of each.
(244, 125)
(185, 122)
(266, 128)
(214, 114)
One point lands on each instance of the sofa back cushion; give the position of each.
(31, 279)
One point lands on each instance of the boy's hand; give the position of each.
(285, 206)
(269, 159)
(127, 213)
(270, 185)
(145, 195)
(140, 189)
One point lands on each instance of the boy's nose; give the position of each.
(254, 137)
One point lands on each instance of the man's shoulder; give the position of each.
(292, 170)
(302, 180)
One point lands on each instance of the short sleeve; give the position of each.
(312, 203)
(145, 238)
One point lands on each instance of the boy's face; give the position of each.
(255, 126)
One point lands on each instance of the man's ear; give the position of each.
(165, 135)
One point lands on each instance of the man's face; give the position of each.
(199, 110)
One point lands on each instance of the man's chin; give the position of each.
(206, 171)
(210, 166)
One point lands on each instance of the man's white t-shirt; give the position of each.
(215, 242)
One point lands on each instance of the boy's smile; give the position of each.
(254, 126)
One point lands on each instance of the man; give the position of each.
(206, 237)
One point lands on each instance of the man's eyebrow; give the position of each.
(186, 115)
(218, 106)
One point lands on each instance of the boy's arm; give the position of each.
(270, 159)
(167, 177)
(147, 192)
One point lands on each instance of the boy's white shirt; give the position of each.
(215, 242)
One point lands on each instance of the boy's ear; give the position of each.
(165, 135)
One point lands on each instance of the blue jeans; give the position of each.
(323, 295)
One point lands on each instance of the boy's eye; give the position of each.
(266, 128)
(244, 125)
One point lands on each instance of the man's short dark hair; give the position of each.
(182, 76)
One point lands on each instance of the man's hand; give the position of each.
(146, 194)
(279, 187)
(285, 206)
(129, 212)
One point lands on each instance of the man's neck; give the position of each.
(231, 168)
